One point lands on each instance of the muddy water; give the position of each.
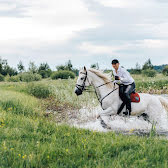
(86, 118)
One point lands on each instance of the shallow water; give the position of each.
(86, 119)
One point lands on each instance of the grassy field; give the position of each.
(29, 138)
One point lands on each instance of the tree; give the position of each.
(44, 70)
(95, 66)
(69, 65)
(137, 69)
(6, 69)
(165, 71)
(32, 67)
(147, 65)
(20, 66)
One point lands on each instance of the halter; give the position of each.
(82, 88)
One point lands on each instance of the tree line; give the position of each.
(148, 69)
(44, 69)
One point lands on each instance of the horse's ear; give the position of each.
(84, 68)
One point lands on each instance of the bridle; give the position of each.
(82, 88)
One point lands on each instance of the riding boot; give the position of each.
(127, 112)
(121, 107)
(128, 108)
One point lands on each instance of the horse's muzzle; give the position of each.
(78, 91)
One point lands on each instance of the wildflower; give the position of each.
(66, 150)
(24, 156)
(9, 109)
(48, 157)
(2, 123)
(131, 131)
(19, 155)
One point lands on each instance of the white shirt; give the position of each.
(124, 75)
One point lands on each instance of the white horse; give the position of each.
(108, 95)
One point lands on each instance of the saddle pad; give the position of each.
(135, 97)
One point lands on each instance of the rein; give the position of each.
(82, 88)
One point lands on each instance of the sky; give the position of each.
(84, 31)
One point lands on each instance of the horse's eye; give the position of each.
(82, 78)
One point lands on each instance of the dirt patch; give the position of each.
(59, 111)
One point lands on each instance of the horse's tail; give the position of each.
(164, 102)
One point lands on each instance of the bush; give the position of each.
(149, 73)
(29, 77)
(37, 77)
(39, 90)
(165, 71)
(63, 75)
(12, 78)
(1, 78)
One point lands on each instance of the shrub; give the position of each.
(165, 71)
(29, 77)
(149, 73)
(12, 78)
(37, 77)
(39, 90)
(63, 75)
(1, 77)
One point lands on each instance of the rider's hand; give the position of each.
(117, 78)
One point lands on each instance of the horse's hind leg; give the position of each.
(157, 114)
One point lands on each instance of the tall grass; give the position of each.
(28, 139)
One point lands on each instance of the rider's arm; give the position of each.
(125, 76)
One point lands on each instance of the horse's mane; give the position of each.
(102, 76)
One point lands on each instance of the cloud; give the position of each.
(46, 22)
(129, 3)
(85, 31)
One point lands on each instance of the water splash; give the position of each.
(87, 118)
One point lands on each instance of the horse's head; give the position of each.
(82, 81)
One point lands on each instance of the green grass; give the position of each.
(155, 85)
(28, 139)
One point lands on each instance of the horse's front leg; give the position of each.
(105, 115)
(109, 111)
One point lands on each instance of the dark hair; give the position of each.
(115, 61)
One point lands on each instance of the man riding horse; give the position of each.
(126, 86)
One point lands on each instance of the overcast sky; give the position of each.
(84, 31)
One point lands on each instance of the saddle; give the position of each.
(135, 97)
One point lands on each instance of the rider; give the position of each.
(126, 86)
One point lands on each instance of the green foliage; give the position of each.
(39, 90)
(6, 69)
(135, 71)
(159, 68)
(147, 65)
(29, 77)
(67, 67)
(1, 78)
(12, 78)
(20, 66)
(18, 103)
(165, 71)
(63, 75)
(32, 67)
(44, 70)
(149, 72)
(95, 66)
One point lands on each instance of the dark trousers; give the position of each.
(124, 93)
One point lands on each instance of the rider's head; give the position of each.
(115, 64)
